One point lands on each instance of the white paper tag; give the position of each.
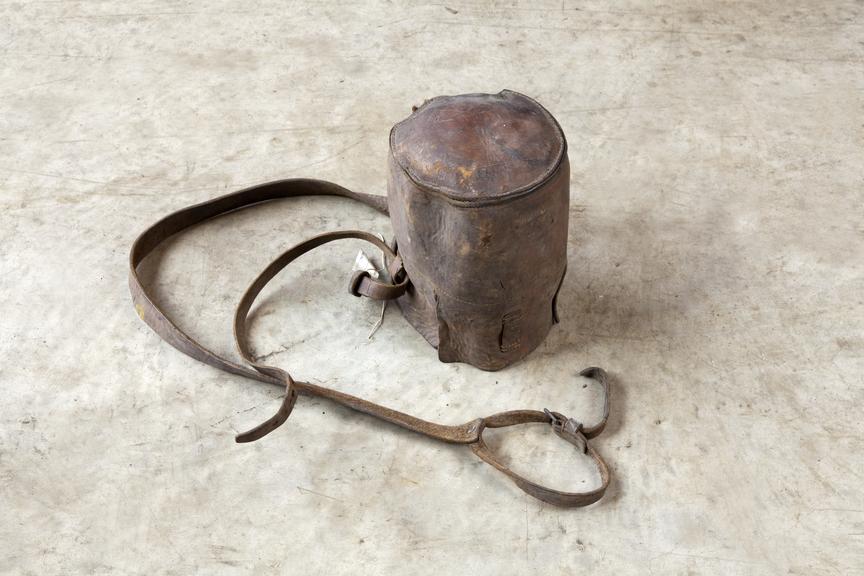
(362, 262)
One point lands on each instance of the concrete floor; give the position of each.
(716, 270)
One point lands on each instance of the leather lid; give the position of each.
(479, 148)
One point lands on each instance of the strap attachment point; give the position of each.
(363, 284)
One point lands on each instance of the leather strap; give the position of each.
(470, 433)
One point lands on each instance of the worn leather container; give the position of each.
(478, 194)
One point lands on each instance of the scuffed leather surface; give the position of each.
(484, 274)
(477, 148)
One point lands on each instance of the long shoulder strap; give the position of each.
(361, 284)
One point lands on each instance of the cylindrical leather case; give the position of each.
(478, 193)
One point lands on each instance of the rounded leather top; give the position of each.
(479, 148)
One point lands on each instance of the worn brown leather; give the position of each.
(529, 201)
(478, 193)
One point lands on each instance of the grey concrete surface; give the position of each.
(716, 270)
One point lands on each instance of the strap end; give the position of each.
(272, 423)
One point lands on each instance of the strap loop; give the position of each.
(354, 283)
(362, 284)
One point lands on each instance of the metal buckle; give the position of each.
(569, 429)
